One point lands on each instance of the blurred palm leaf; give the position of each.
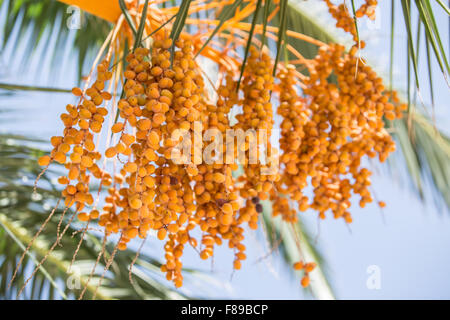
(290, 241)
(14, 87)
(44, 17)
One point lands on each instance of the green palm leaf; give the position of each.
(40, 18)
(426, 157)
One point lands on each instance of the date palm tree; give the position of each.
(425, 150)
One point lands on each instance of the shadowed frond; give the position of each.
(41, 19)
(17, 87)
(295, 242)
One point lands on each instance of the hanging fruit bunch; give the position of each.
(123, 133)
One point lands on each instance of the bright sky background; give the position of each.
(410, 244)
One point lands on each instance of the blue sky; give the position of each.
(409, 241)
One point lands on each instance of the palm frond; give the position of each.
(293, 240)
(39, 18)
(18, 87)
(431, 148)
